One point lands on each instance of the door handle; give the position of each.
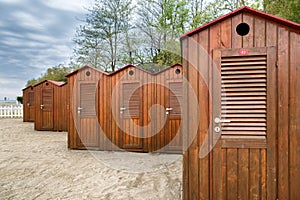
(79, 109)
(122, 110)
(169, 109)
(42, 106)
(218, 120)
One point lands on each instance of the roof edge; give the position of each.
(85, 66)
(57, 83)
(274, 18)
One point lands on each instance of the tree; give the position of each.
(161, 22)
(56, 73)
(99, 41)
(288, 9)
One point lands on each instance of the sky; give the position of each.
(35, 35)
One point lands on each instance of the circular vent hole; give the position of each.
(88, 73)
(177, 71)
(131, 72)
(242, 29)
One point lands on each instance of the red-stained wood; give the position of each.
(283, 113)
(50, 106)
(265, 165)
(28, 104)
(112, 111)
(294, 122)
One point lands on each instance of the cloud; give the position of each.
(69, 5)
(12, 1)
(35, 35)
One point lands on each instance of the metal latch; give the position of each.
(79, 109)
(218, 120)
(122, 109)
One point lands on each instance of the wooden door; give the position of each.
(31, 107)
(244, 124)
(88, 134)
(173, 104)
(131, 117)
(47, 109)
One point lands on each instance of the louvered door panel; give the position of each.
(176, 97)
(243, 102)
(47, 99)
(131, 100)
(87, 100)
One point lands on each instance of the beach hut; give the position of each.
(28, 104)
(244, 68)
(168, 93)
(121, 112)
(131, 98)
(87, 93)
(50, 106)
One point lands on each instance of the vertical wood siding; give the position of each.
(133, 128)
(28, 104)
(244, 170)
(52, 115)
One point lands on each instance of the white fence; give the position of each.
(11, 111)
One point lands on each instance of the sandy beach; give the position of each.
(38, 165)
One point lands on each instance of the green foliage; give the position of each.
(56, 73)
(99, 41)
(113, 36)
(20, 99)
(288, 9)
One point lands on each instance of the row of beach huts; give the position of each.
(240, 119)
(112, 111)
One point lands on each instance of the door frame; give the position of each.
(79, 142)
(130, 147)
(42, 108)
(271, 132)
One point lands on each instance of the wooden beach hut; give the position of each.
(168, 93)
(244, 68)
(120, 113)
(131, 98)
(50, 106)
(87, 93)
(28, 104)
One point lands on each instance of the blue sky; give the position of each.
(35, 35)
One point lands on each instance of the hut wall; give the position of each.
(28, 105)
(84, 89)
(51, 107)
(125, 131)
(126, 126)
(245, 172)
(168, 92)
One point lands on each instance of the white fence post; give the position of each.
(12, 111)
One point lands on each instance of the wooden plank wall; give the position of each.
(62, 108)
(59, 108)
(28, 107)
(74, 82)
(197, 173)
(119, 136)
(111, 136)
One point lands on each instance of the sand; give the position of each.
(38, 165)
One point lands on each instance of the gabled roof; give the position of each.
(84, 67)
(50, 81)
(247, 10)
(166, 69)
(146, 71)
(30, 86)
(128, 66)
